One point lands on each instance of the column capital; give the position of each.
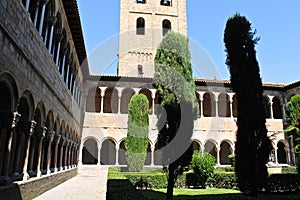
(43, 1)
(57, 139)
(16, 117)
(50, 135)
(32, 126)
(44, 130)
(120, 90)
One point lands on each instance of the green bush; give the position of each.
(137, 137)
(223, 180)
(289, 170)
(203, 165)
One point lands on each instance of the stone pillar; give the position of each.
(63, 142)
(25, 174)
(119, 99)
(275, 156)
(152, 154)
(71, 80)
(63, 67)
(66, 154)
(99, 155)
(271, 107)
(52, 22)
(50, 138)
(102, 98)
(39, 173)
(46, 33)
(15, 120)
(153, 102)
(230, 104)
(27, 5)
(117, 154)
(80, 154)
(69, 154)
(67, 76)
(36, 13)
(218, 149)
(59, 38)
(22, 128)
(56, 142)
(217, 105)
(44, 2)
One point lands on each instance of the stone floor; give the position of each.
(90, 183)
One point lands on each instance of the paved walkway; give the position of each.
(90, 183)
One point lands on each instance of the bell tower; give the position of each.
(143, 23)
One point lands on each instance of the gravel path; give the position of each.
(90, 183)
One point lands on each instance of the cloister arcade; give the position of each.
(34, 140)
(210, 104)
(111, 152)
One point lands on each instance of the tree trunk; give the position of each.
(170, 183)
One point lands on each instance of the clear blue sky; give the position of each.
(277, 23)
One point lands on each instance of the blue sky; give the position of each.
(277, 23)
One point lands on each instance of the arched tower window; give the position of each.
(140, 26)
(166, 2)
(166, 25)
(140, 1)
(140, 70)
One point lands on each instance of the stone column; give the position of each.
(153, 102)
(119, 99)
(25, 174)
(59, 38)
(67, 76)
(218, 156)
(27, 5)
(230, 104)
(50, 138)
(217, 105)
(71, 80)
(56, 142)
(63, 142)
(16, 117)
(38, 169)
(22, 128)
(99, 155)
(63, 67)
(44, 2)
(275, 156)
(80, 154)
(52, 22)
(152, 154)
(69, 154)
(102, 98)
(271, 106)
(117, 154)
(66, 154)
(36, 13)
(46, 33)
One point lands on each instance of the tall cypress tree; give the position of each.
(175, 84)
(253, 146)
(138, 129)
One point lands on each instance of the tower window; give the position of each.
(140, 1)
(166, 25)
(166, 2)
(140, 26)
(140, 70)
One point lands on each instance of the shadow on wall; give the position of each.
(11, 191)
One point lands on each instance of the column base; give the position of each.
(25, 176)
(39, 173)
(48, 171)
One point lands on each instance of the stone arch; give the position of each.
(122, 153)
(140, 26)
(166, 26)
(281, 153)
(93, 100)
(276, 107)
(225, 151)
(210, 146)
(127, 93)
(224, 105)
(90, 151)
(196, 145)
(209, 105)
(234, 106)
(266, 103)
(108, 152)
(110, 100)
(148, 94)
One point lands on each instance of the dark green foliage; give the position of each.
(253, 145)
(175, 85)
(223, 180)
(137, 137)
(203, 165)
(292, 125)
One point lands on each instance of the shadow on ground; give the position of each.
(124, 190)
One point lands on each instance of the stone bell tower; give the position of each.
(142, 26)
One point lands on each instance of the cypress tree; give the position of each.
(138, 129)
(175, 85)
(253, 146)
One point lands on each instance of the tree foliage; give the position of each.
(203, 165)
(137, 136)
(175, 85)
(253, 145)
(292, 124)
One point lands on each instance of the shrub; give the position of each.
(223, 180)
(289, 170)
(203, 165)
(137, 136)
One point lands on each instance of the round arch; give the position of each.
(90, 151)
(281, 152)
(127, 93)
(210, 146)
(225, 151)
(108, 152)
(209, 105)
